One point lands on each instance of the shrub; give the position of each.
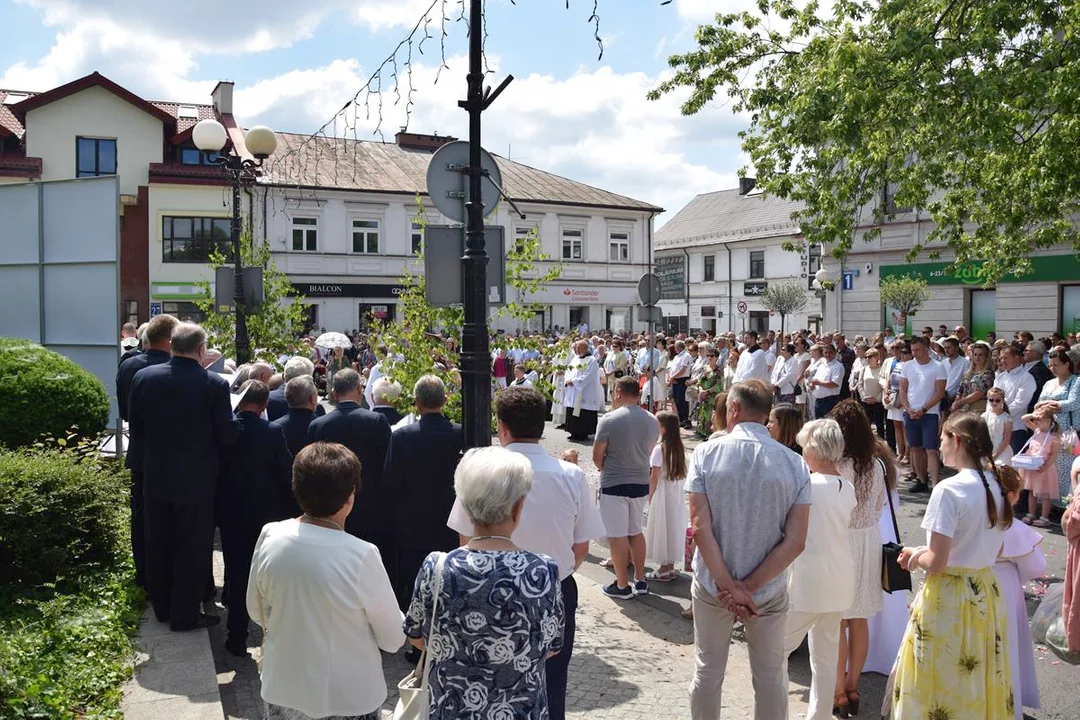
(59, 516)
(42, 392)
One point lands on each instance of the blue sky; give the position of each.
(295, 64)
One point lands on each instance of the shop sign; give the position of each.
(708, 311)
(754, 289)
(348, 289)
(672, 273)
(1045, 268)
(581, 295)
(379, 311)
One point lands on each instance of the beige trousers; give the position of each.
(712, 639)
(824, 631)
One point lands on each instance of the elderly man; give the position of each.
(182, 417)
(384, 395)
(367, 434)
(583, 396)
(825, 385)
(157, 343)
(303, 399)
(750, 510)
(418, 485)
(278, 405)
(678, 372)
(559, 518)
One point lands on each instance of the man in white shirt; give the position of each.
(1019, 387)
(559, 518)
(770, 355)
(956, 366)
(751, 365)
(922, 387)
(826, 383)
(678, 373)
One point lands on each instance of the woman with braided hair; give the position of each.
(957, 640)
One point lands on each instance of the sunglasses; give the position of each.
(995, 402)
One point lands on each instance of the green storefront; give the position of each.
(1060, 270)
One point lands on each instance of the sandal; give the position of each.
(688, 613)
(1041, 522)
(658, 576)
(853, 702)
(840, 705)
(1027, 519)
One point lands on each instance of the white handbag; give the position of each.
(414, 697)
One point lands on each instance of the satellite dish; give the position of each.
(448, 184)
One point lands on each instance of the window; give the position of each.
(757, 263)
(195, 239)
(888, 200)
(572, 244)
(184, 311)
(710, 268)
(619, 247)
(417, 238)
(94, 156)
(194, 156)
(1070, 310)
(365, 236)
(521, 236)
(305, 234)
(813, 265)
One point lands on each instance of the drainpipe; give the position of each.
(649, 329)
(730, 290)
(687, 253)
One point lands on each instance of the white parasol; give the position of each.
(331, 340)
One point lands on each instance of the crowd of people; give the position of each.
(354, 530)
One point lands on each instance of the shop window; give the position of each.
(983, 316)
(305, 234)
(1070, 309)
(184, 311)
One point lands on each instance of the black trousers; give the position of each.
(876, 413)
(890, 434)
(581, 426)
(237, 547)
(678, 392)
(179, 538)
(403, 578)
(558, 666)
(138, 534)
(823, 406)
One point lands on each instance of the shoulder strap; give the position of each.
(434, 613)
(888, 497)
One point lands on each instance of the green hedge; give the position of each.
(59, 516)
(43, 393)
(68, 602)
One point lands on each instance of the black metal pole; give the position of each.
(243, 349)
(476, 345)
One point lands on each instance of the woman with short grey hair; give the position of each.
(499, 614)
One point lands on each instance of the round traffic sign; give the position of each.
(448, 184)
(741, 307)
(648, 289)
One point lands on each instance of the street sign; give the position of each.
(649, 314)
(443, 247)
(648, 289)
(741, 307)
(848, 281)
(225, 289)
(155, 309)
(448, 184)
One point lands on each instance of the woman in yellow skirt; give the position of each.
(954, 660)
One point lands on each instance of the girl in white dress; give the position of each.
(999, 423)
(665, 532)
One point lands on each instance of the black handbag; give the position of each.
(893, 577)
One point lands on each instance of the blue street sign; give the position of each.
(848, 281)
(155, 309)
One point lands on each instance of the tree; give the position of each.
(784, 299)
(963, 108)
(274, 328)
(905, 294)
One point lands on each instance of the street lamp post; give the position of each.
(210, 136)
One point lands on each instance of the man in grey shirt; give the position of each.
(750, 509)
(625, 438)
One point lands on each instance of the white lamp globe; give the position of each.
(209, 135)
(823, 276)
(261, 141)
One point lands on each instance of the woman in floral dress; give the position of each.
(500, 610)
(1061, 396)
(711, 382)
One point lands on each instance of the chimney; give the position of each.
(222, 96)
(746, 185)
(415, 141)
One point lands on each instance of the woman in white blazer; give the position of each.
(821, 585)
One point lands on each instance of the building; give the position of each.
(719, 253)
(339, 215)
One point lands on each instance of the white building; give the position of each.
(718, 254)
(344, 228)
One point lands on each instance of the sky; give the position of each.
(297, 63)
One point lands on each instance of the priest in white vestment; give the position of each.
(583, 395)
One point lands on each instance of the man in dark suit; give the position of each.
(418, 484)
(182, 417)
(367, 434)
(385, 393)
(255, 489)
(278, 406)
(303, 399)
(158, 334)
(1033, 361)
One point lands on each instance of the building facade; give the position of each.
(339, 216)
(718, 254)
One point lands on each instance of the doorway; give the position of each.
(372, 313)
(983, 313)
(759, 321)
(579, 316)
